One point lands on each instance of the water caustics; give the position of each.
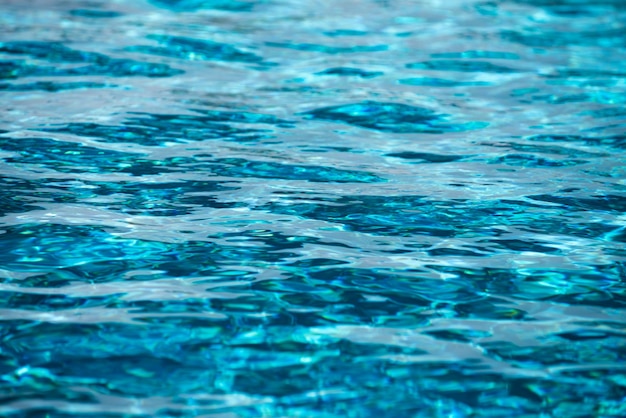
(262, 208)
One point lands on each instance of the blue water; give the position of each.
(290, 208)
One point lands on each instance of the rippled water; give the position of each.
(288, 208)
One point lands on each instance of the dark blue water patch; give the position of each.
(88, 337)
(190, 359)
(45, 248)
(497, 311)
(102, 64)
(50, 303)
(15, 69)
(614, 126)
(399, 216)
(160, 199)
(576, 8)
(350, 72)
(616, 141)
(390, 117)
(425, 157)
(116, 68)
(568, 73)
(541, 38)
(11, 69)
(518, 245)
(468, 293)
(410, 290)
(610, 407)
(158, 130)
(584, 335)
(95, 13)
(17, 195)
(343, 292)
(55, 52)
(570, 226)
(327, 149)
(41, 247)
(171, 356)
(52, 52)
(456, 252)
(598, 285)
(476, 54)
(196, 50)
(72, 157)
(608, 348)
(440, 82)
(298, 89)
(65, 156)
(21, 194)
(91, 272)
(461, 335)
(462, 66)
(54, 87)
(609, 112)
(141, 199)
(414, 216)
(187, 306)
(531, 160)
(328, 49)
(345, 32)
(239, 167)
(193, 5)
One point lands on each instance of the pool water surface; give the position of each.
(312, 208)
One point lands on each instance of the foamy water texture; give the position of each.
(292, 208)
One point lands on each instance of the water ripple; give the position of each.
(262, 208)
(389, 117)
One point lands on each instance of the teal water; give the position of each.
(287, 208)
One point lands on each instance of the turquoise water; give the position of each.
(288, 208)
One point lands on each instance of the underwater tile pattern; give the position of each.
(263, 208)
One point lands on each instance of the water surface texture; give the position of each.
(289, 208)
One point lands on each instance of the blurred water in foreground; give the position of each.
(287, 208)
